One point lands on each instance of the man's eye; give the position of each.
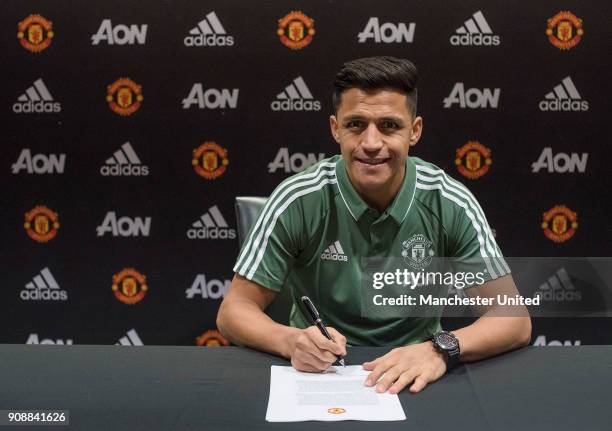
(389, 125)
(354, 124)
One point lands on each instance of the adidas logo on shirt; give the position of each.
(564, 97)
(334, 252)
(124, 162)
(211, 225)
(36, 99)
(208, 32)
(558, 287)
(296, 97)
(475, 32)
(130, 339)
(43, 287)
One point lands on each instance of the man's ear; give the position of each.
(333, 126)
(417, 130)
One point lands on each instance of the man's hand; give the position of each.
(418, 364)
(312, 352)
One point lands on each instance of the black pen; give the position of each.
(316, 321)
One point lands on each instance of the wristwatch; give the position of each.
(447, 343)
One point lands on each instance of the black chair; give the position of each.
(248, 209)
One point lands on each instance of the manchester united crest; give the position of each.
(295, 30)
(210, 160)
(41, 224)
(129, 286)
(417, 251)
(211, 338)
(35, 33)
(336, 410)
(124, 96)
(564, 30)
(559, 223)
(473, 160)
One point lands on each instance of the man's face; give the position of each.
(375, 130)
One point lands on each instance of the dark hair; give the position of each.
(377, 73)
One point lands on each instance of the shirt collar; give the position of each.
(399, 207)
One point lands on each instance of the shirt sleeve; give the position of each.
(273, 243)
(473, 247)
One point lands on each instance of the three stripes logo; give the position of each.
(475, 32)
(36, 99)
(209, 32)
(558, 287)
(296, 97)
(43, 287)
(211, 225)
(131, 338)
(564, 97)
(334, 252)
(124, 162)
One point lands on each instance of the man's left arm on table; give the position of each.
(498, 330)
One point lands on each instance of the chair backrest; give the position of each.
(248, 209)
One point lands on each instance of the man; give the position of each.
(368, 202)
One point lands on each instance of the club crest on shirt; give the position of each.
(417, 251)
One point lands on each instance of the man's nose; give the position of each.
(371, 139)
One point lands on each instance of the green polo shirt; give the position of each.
(315, 229)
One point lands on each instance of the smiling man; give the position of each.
(370, 201)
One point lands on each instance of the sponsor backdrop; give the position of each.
(130, 127)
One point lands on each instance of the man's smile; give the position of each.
(373, 162)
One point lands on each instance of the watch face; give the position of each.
(446, 341)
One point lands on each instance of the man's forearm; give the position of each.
(244, 324)
(492, 335)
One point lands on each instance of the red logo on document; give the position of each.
(473, 160)
(336, 410)
(210, 160)
(211, 338)
(559, 223)
(564, 30)
(129, 286)
(295, 30)
(124, 96)
(41, 224)
(35, 33)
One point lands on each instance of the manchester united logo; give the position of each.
(41, 224)
(124, 96)
(211, 338)
(210, 160)
(473, 160)
(336, 410)
(295, 30)
(35, 33)
(564, 30)
(129, 286)
(559, 223)
(417, 251)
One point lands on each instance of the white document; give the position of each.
(335, 395)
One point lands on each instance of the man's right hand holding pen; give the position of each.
(312, 352)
